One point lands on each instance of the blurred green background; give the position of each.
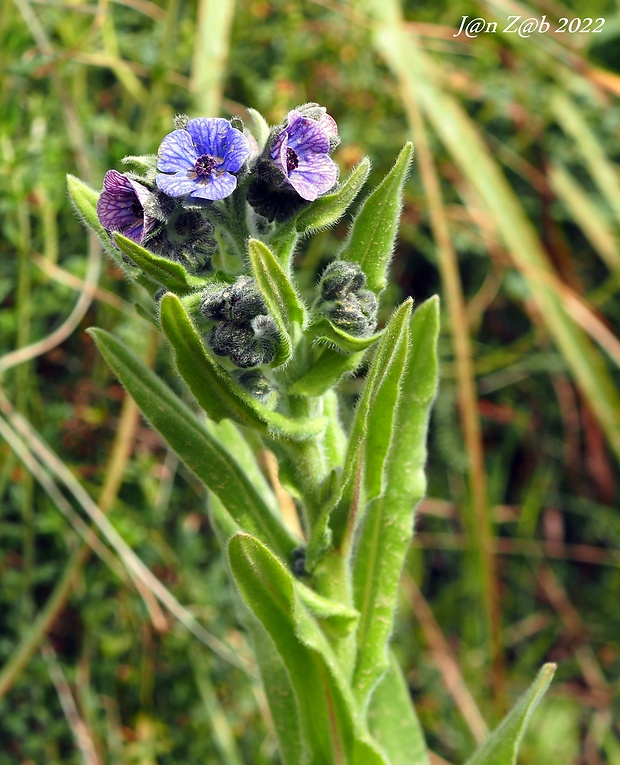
(512, 215)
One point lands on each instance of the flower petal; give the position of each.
(306, 136)
(314, 176)
(178, 185)
(176, 152)
(135, 232)
(117, 183)
(218, 186)
(115, 210)
(221, 140)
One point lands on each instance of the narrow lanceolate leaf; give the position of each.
(393, 722)
(327, 713)
(84, 200)
(282, 301)
(202, 454)
(217, 393)
(327, 333)
(292, 745)
(169, 274)
(373, 233)
(330, 366)
(388, 525)
(372, 425)
(502, 746)
(326, 210)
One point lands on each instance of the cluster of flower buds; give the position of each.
(244, 331)
(344, 299)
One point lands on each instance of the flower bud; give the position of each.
(348, 315)
(243, 300)
(339, 278)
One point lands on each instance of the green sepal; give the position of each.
(143, 162)
(198, 449)
(84, 199)
(166, 272)
(217, 393)
(502, 746)
(326, 210)
(393, 722)
(330, 723)
(262, 131)
(335, 619)
(282, 301)
(328, 369)
(384, 538)
(372, 236)
(327, 333)
(368, 443)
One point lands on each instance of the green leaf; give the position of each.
(326, 210)
(502, 746)
(233, 440)
(282, 301)
(327, 333)
(327, 714)
(388, 526)
(275, 285)
(202, 454)
(373, 233)
(335, 619)
(166, 272)
(393, 722)
(330, 366)
(371, 429)
(217, 393)
(294, 749)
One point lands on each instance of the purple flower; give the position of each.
(201, 161)
(121, 206)
(301, 151)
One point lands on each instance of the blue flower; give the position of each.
(301, 151)
(120, 206)
(202, 160)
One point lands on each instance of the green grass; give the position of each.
(511, 214)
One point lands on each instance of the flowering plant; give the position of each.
(208, 228)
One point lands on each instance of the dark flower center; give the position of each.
(204, 165)
(292, 160)
(136, 209)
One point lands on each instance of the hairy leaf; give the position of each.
(331, 725)
(373, 233)
(388, 525)
(502, 745)
(200, 451)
